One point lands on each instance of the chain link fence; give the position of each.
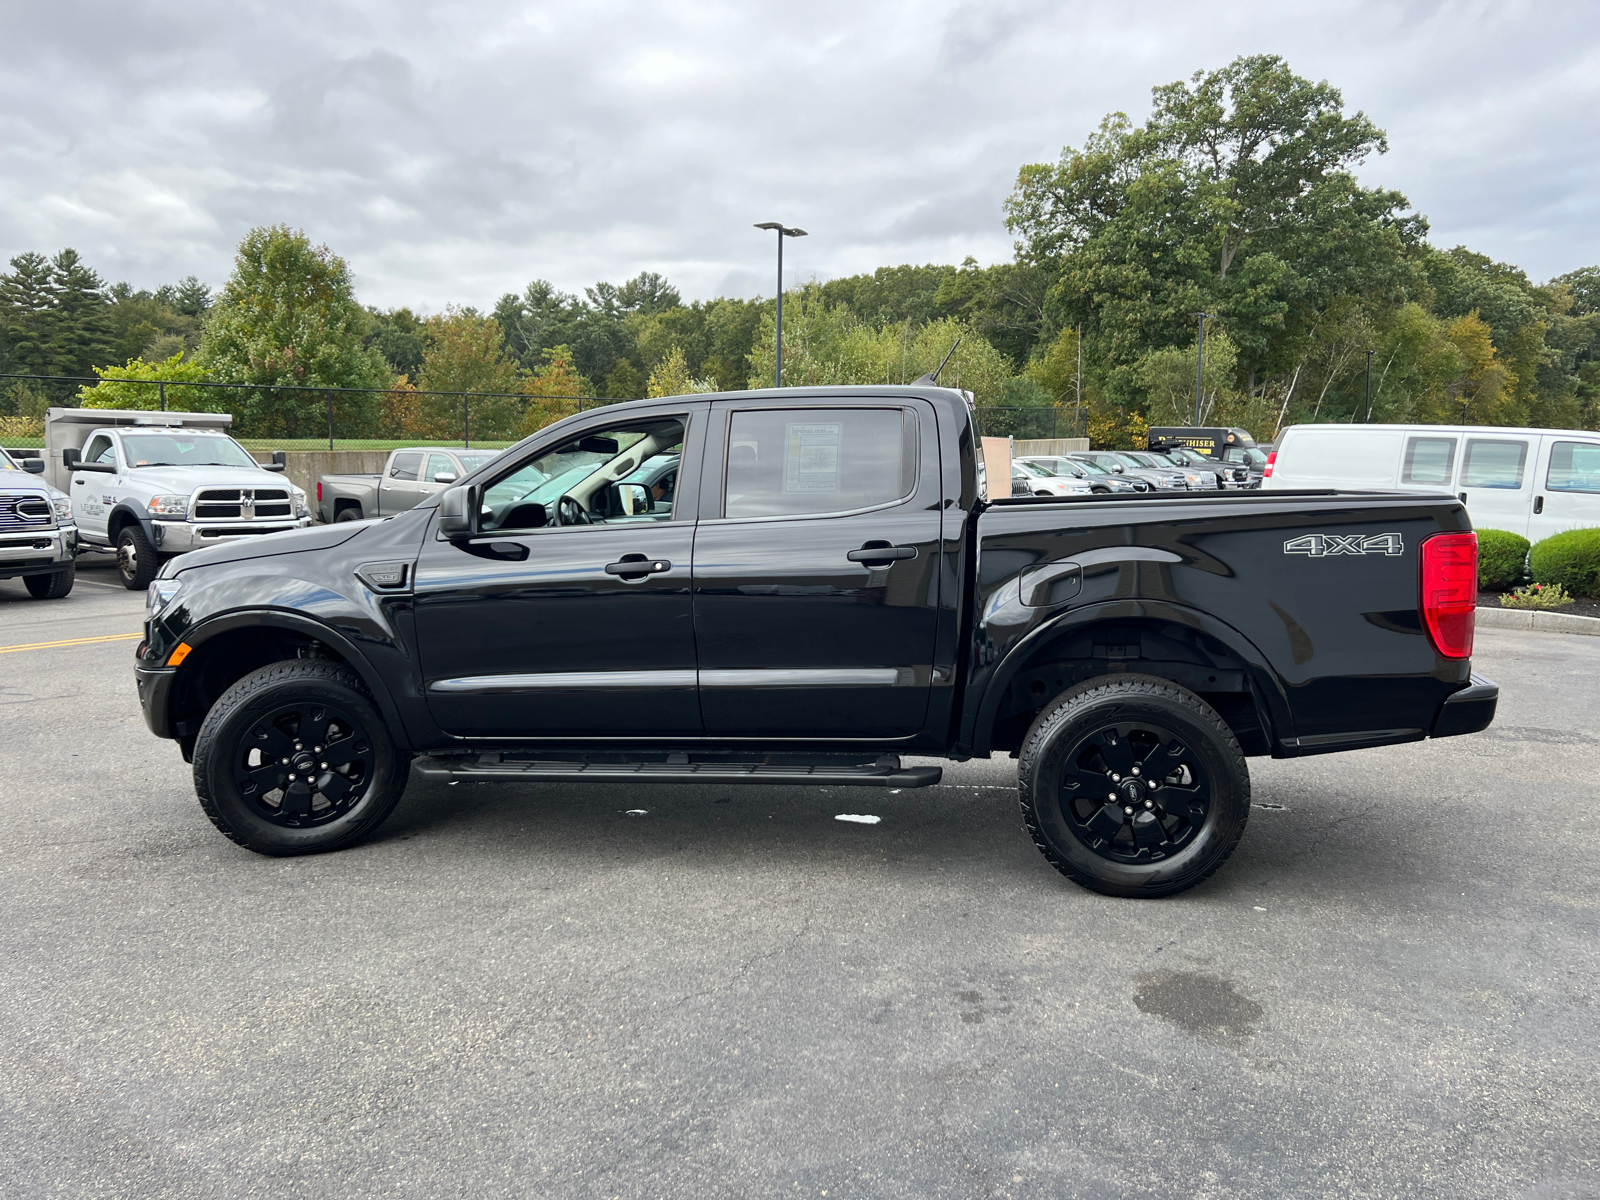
(302, 417)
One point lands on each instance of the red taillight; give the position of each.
(319, 491)
(1266, 471)
(1450, 591)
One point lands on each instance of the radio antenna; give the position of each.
(933, 377)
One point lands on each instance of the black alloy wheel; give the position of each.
(1134, 793)
(1133, 786)
(303, 765)
(295, 758)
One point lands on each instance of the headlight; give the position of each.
(300, 508)
(63, 507)
(168, 506)
(160, 595)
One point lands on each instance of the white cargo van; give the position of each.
(1530, 481)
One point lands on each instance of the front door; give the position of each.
(817, 569)
(1496, 482)
(94, 492)
(569, 612)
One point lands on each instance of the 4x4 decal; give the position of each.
(1326, 545)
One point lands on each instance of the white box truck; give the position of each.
(148, 485)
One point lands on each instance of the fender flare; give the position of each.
(196, 636)
(979, 734)
(135, 517)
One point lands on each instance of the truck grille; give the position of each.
(241, 504)
(25, 513)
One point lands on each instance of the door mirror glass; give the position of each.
(455, 512)
(628, 500)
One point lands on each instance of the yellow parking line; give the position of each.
(114, 637)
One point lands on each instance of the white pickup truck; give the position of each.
(150, 485)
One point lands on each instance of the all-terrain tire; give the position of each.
(52, 586)
(246, 709)
(1118, 865)
(137, 560)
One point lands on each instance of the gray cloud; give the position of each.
(454, 152)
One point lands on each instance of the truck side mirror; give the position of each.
(457, 511)
(280, 458)
(71, 458)
(34, 466)
(445, 477)
(628, 500)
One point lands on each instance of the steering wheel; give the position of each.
(570, 512)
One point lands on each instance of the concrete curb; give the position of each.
(1543, 622)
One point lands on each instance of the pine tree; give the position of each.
(82, 334)
(28, 315)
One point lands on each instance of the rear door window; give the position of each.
(1574, 467)
(405, 466)
(797, 462)
(1429, 460)
(1492, 463)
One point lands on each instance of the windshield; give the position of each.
(1093, 468)
(471, 462)
(1251, 454)
(7, 463)
(1182, 454)
(184, 450)
(1128, 459)
(1035, 469)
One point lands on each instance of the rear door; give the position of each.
(1566, 487)
(1496, 480)
(817, 569)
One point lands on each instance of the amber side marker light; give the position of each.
(175, 659)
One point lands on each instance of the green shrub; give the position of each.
(1571, 559)
(1537, 595)
(1502, 558)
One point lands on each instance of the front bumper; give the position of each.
(155, 687)
(1468, 711)
(179, 537)
(41, 553)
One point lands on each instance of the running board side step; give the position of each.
(883, 773)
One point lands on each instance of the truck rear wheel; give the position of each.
(295, 759)
(348, 514)
(137, 561)
(52, 586)
(1133, 786)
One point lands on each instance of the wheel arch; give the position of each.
(124, 515)
(226, 648)
(994, 727)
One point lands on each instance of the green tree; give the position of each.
(27, 303)
(288, 316)
(399, 336)
(82, 329)
(117, 388)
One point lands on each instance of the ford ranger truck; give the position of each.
(827, 593)
(38, 541)
(149, 492)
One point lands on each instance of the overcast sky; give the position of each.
(452, 152)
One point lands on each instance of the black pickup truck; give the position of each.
(821, 591)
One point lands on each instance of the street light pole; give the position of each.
(1199, 365)
(783, 232)
(1369, 388)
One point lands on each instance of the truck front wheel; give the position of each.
(137, 561)
(52, 586)
(295, 759)
(1133, 786)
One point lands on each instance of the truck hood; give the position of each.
(17, 483)
(290, 541)
(181, 481)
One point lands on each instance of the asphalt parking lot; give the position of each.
(522, 990)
